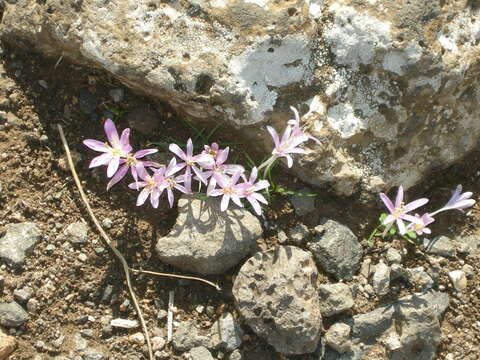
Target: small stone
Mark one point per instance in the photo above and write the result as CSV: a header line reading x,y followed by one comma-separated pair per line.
x,y
282,237
43,84
367,268
158,343
82,257
200,353
336,249
58,341
77,233
12,315
369,289
440,245
124,305
99,250
186,337
235,355
107,223
93,355
393,256
459,280
468,270
124,323
50,248
299,234
303,205
33,305
137,338
79,342
338,337
107,294
392,341
87,333
381,279
43,139
335,298
22,295
116,94
226,333
418,277
162,314
18,242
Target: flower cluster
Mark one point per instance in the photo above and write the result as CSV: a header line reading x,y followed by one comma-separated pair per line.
x,y
399,211
209,168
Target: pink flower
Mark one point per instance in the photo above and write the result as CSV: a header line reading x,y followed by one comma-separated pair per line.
x,y
217,164
421,227
249,191
189,162
114,150
458,201
133,163
230,190
293,136
399,211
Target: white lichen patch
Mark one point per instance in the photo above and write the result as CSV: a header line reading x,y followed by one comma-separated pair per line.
x,y
315,8
355,37
341,117
461,32
267,65
395,61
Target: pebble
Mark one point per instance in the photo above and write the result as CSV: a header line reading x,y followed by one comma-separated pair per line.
x,y
12,315
338,337
18,242
22,295
43,139
468,270
282,237
303,205
43,84
107,223
107,294
299,234
124,323
33,305
116,94
77,233
162,314
200,353
79,342
50,248
137,338
158,343
459,280
226,333
381,279
393,256
235,355
335,298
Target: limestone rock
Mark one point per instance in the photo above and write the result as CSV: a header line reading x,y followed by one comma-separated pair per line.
x,y
381,279
439,245
387,89
275,292
186,337
459,279
226,333
338,337
77,233
18,242
468,245
206,240
200,353
336,249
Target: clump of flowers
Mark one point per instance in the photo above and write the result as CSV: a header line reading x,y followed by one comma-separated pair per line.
x,y
210,167
399,213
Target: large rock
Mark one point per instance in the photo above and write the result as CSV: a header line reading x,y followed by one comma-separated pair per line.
x,y
206,240
336,249
276,293
18,242
389,87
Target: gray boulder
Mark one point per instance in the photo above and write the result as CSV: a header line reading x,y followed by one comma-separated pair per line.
x,y
18,242
388,100
206,240
336,249
275,292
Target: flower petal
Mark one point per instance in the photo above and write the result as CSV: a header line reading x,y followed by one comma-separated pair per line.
x,y
170,197
124,142
415,204
274,135
189,148
399,198
96,145
177,151
100,160
222,155
142,197
236,200
118,176
113,166
111,132
387,202
289,161
225,201
256,206
141,153
401,226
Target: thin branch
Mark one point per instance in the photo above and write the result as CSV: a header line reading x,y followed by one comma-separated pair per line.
x,y
136,271
171,295
107,241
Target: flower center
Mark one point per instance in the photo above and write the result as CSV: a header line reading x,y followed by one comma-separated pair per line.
x,y
398,212
131,160
116,152
213,153
151,182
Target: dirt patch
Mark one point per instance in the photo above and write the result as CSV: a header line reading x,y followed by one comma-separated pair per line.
x,y
70,283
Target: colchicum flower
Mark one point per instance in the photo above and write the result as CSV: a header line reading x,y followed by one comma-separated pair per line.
x,y
229,189
249,191
216,165
293,136
189,162
116,149
400,210
421,227
458,201
150,187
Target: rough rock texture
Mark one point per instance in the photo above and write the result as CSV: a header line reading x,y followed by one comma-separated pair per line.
x,y
7,344
18,241
276,293
335,298
388,86
439,245
338,337
381,279
336,249
226,333
186,337
406,329
12,315
206,240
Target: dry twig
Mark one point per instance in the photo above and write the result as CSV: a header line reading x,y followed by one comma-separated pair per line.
x,y
106,239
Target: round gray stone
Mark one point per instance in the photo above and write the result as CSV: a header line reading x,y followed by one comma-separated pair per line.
x,y
206,240
18,242
12,314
